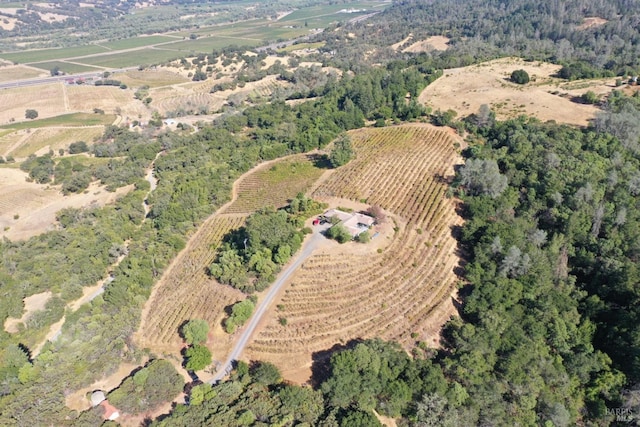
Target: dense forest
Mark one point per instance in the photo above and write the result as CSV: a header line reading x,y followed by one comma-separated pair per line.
x,y
480,30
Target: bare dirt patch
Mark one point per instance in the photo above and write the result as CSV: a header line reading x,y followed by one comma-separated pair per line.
x,y
432,43
32,304
28,209
401,43
52,17
592,21
8,24
465,89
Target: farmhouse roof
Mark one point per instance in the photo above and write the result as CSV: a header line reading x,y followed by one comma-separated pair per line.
x,y
355,223
342,216
97,397
358,223
110,411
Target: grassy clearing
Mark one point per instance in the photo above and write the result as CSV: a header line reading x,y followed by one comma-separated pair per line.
x,y
51,54
75,119
136,42
65,66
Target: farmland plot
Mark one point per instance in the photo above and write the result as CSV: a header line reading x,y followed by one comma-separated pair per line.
x,y
107,98
186,291
275,184
406,288
42,140
47,100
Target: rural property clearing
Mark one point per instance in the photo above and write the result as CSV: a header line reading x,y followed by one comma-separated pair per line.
x,y
399,287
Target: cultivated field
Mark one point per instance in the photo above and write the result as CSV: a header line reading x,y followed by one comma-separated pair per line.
x,y
151,78
42,140
403,282
187,292
275,184
545,97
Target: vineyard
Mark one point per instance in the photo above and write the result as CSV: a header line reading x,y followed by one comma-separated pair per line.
x,y
402,292
186,291
275,184
194,96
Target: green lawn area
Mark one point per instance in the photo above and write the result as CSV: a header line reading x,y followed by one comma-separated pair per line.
x,y
208,44
30,56
75,119
66,67
133,58
136,42
226,29
333,9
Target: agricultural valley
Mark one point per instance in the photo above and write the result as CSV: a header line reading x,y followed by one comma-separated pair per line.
x,y
311,213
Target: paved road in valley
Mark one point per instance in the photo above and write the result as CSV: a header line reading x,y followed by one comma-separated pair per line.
x,y
248,330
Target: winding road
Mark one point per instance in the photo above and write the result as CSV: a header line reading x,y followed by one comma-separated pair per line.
x,y
307,249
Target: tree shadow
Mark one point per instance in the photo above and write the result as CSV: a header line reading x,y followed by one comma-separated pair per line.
x,y
321,361
321,161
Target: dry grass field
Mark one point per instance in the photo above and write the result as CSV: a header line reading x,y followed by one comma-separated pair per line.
x,y
545,97
32,304
151,78
400,284
40,141
48,100
19,72
28,209
107,98
432,43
